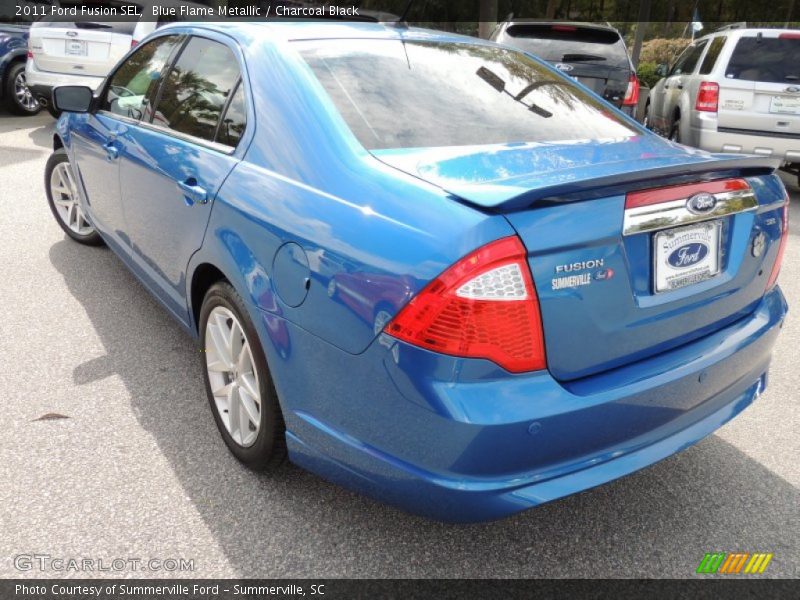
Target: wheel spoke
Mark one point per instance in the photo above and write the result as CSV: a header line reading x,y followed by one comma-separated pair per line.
x,y
219,345
248,383
234,410
222,391
249,406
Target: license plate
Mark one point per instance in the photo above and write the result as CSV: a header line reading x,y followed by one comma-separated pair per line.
x,y
76,48
686,255
786,105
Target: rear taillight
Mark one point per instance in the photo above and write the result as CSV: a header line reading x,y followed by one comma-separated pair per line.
x,y
484,306
30,54
707,97
776,268
789,36
632,92
682,191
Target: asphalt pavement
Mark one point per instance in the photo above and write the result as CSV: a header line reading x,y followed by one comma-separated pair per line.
x,y
108,449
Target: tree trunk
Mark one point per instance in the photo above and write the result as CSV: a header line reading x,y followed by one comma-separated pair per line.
x,y
644,21
487,17
552,5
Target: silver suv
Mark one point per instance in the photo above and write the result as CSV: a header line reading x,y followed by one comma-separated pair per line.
x,y
736,90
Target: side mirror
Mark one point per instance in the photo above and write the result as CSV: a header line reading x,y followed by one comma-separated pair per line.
x,y
662,70
73,98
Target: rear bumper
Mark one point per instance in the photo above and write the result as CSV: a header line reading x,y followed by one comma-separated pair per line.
x,y
785,147
460,440
41,83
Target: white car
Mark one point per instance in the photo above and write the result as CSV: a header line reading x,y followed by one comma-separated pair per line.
x,y
62,52
736,90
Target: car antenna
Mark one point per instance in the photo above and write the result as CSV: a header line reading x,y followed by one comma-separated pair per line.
x,y
401,20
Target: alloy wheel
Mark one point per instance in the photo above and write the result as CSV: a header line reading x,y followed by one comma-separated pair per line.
x,y
23,94
65,197
232,376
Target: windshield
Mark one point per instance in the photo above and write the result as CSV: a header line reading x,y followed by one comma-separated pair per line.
x,y
773,60
569,43
396,94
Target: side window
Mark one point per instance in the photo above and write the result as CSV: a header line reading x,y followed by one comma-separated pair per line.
x,y
137,78
233,123
197,88
688,60
711,56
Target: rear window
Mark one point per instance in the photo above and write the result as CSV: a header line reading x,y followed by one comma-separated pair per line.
x,y
125,27
414,94
772,60
569,43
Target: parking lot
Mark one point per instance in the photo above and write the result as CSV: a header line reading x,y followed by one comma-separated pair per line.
x,y
109,449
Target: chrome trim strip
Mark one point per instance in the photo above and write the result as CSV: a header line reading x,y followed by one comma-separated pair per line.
x,y
675,213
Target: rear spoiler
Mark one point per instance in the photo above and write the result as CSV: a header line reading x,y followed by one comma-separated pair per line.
x,y
522,192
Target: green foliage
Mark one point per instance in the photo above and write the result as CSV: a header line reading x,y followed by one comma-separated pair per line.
x,y
646,72
661,50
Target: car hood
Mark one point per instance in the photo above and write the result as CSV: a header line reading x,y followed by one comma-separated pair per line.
x,y
512,176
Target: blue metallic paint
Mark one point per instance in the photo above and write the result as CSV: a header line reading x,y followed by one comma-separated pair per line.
x,y
454,439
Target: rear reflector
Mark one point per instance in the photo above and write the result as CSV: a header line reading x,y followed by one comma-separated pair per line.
x,y
707,97
30,54
632,92
134,43
484,306
789,36
776,268
680,192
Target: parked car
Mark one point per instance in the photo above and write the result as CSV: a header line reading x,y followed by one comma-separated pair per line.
x,y
14,92
593,54
736,90
568,297
63,52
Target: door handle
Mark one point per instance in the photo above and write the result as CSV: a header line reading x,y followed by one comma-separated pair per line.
x,y
112,152
192,192
680,86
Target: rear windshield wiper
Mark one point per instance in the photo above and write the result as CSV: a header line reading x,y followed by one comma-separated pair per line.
x,y
581,57
87,25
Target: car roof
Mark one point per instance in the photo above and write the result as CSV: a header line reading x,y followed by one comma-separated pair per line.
x,y
746,31
280,30
581,24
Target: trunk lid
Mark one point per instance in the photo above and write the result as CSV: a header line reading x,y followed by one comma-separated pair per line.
x,y
85,48
592,261
610,83
761,89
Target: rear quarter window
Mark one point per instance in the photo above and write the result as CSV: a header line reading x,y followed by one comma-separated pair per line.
x,y
771,60
557,42
417,94
712,55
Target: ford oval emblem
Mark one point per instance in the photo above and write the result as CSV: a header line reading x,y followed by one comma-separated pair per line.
x,y
687,255
564,67
701,203
72,33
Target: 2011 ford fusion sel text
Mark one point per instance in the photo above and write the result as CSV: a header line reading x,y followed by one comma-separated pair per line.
x,y
427,267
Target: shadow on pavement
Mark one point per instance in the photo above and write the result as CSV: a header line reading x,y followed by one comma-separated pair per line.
x,y
656,523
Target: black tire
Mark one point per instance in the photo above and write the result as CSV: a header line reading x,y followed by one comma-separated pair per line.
x,y
269,449
646,119
675,130
56,158
12,103
51,109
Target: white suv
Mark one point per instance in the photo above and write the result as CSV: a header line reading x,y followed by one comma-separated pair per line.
x,y
736,90
83,53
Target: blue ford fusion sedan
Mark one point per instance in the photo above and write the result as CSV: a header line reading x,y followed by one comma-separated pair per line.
x,y
429,268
